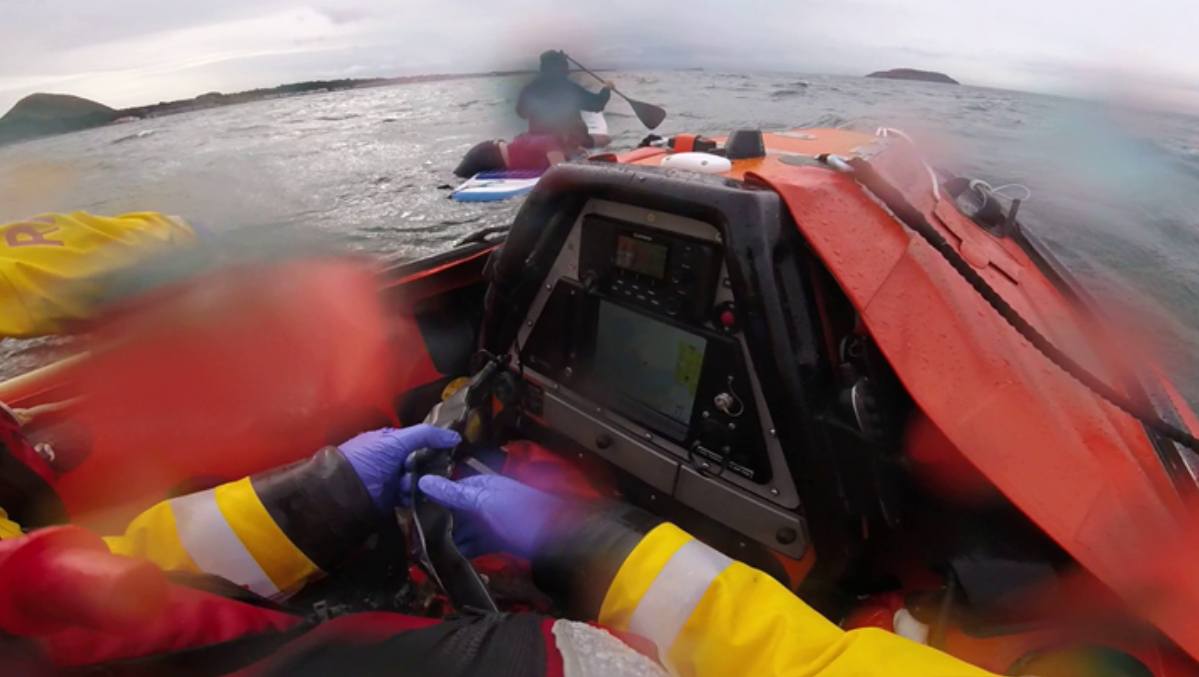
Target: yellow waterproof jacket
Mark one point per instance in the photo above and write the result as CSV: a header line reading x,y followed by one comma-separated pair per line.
x,y
270,533
709,615
51,265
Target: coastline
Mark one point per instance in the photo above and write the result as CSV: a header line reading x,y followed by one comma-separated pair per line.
x,y
10,123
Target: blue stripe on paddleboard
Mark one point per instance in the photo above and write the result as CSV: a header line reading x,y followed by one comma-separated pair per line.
x,y
488,195
509,174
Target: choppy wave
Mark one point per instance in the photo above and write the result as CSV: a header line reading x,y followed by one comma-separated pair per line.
x,y
137,135
828,120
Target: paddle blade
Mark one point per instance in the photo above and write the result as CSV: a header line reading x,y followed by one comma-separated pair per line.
x,y
650,115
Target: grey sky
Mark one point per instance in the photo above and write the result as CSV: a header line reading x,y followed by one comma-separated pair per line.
x,y
128,52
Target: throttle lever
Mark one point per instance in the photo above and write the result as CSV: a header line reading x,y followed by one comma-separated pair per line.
x,y
434,524
435,548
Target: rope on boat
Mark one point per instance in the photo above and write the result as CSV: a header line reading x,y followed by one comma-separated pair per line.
x,y
909,215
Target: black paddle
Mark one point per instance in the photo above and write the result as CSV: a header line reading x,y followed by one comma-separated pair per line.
x,y
650,115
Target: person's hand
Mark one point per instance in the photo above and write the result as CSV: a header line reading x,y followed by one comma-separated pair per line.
x,y
518,516
378,456
608,84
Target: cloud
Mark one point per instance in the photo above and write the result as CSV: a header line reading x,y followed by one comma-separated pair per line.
x,y
345,15
125,52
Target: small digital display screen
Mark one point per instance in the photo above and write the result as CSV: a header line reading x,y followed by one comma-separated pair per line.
x,y
639,256
649,362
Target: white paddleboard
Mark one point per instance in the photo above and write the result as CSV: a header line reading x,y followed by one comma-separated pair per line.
x,y
496,186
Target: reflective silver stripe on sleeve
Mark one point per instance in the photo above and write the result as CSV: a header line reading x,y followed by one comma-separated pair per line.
x,y
213,546
672,596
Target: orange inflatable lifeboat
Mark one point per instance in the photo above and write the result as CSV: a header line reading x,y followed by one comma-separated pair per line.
x,y
801,348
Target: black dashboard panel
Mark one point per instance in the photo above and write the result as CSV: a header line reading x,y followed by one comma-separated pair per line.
x,y
635,337
665,273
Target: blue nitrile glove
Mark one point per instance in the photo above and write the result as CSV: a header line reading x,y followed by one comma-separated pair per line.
x,y
378,456
516,515
492,458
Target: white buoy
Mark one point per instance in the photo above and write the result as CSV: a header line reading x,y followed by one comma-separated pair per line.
x,y
704,163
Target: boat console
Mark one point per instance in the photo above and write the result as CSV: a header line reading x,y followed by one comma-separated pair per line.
x,y
629,317
671,325
632,347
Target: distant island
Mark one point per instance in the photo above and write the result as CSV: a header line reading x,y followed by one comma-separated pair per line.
x,y
914,74
47,114
43,114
